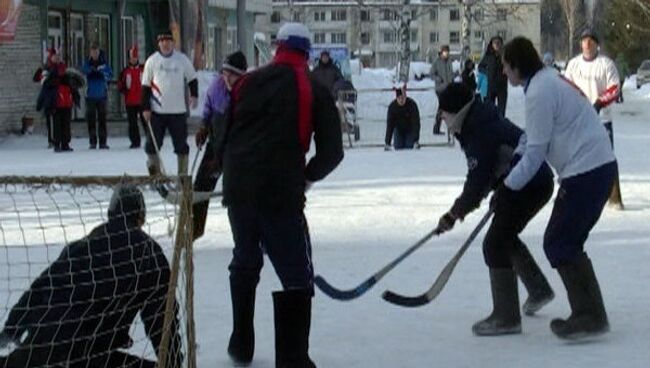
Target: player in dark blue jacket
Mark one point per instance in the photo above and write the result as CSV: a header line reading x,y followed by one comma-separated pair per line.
x,y
489,142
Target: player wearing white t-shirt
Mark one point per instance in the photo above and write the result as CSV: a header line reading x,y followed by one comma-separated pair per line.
x,y
598,79
164,79
563,129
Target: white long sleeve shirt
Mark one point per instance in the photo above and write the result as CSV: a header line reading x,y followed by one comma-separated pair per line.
x,y
168,77
562,128
597,79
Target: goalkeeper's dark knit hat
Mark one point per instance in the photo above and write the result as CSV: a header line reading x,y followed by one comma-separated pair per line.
x,y
127,202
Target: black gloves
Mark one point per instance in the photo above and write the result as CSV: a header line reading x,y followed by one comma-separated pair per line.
x,y
598,105
446,222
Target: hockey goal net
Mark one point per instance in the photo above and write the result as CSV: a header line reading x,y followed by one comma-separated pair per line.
x,y
95,272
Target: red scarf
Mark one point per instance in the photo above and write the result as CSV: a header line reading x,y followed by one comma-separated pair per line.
x,y
298,62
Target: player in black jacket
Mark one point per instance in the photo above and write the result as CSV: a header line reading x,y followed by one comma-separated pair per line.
x,y
79,311
274,113
489,141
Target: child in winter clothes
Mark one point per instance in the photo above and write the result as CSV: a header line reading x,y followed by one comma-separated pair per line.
x,y
130,85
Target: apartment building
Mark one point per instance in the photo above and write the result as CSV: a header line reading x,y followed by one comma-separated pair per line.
x,y
370,31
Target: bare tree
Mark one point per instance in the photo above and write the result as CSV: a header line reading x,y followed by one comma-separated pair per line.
x,y
571,10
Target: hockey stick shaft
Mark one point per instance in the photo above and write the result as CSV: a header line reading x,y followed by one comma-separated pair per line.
x,y
444,276
356,292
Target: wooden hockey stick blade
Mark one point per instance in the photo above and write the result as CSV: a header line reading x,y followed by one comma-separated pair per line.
x,y
362,288
442,279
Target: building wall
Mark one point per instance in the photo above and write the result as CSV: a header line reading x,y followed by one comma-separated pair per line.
x,y
522,19
19,60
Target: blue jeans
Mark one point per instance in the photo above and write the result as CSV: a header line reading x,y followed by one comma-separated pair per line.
x,y
578,206
403,141
283,236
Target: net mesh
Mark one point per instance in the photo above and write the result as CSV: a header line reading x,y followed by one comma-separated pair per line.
x,y
85,283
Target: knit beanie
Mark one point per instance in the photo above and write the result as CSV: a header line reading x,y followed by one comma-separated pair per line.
x,y
236,63
454,97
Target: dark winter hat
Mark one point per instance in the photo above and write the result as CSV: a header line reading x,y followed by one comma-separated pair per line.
x,y
165,35
325,52
444,48
236,63
127,202
399,92
454,97
295,36
588,32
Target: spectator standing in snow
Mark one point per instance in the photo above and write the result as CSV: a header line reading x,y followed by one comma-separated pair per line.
x,y
563,128
596,76
468,77
326,72
98,73
497,82
402,122
442,74
130,84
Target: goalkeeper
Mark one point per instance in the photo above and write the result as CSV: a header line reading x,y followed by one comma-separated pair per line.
x,y
79,311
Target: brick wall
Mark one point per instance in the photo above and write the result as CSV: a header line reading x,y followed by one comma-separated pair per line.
x,y
19,59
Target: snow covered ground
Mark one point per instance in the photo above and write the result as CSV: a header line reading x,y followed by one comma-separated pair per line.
x,y
369,210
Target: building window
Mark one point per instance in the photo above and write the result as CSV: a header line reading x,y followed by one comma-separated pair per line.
x,y
296,17
502,14
414,35
339,15
99,30
502,33
276,17
433,15
478,15
231,40
128,38
340,38
319,16
274,36
365,38
478,35
389,15
454,37
414,14
433,37
319,38
454,15
389,37
365,15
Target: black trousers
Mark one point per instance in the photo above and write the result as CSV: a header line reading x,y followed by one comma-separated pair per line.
x,y
61,127
132,114
206,180
49,123
511,217
177,126
96,112
500,98
283,236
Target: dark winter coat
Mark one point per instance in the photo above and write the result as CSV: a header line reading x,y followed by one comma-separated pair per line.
x,y
98,74
327,75
442,73
469,79
88,298
263,157
488,141
497,81
405,119
60,88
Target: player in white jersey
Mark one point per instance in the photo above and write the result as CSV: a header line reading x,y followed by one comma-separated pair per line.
x,y
596,76
164,79
563,129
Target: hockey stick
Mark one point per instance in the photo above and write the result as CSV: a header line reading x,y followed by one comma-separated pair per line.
x,y
356,292
441,281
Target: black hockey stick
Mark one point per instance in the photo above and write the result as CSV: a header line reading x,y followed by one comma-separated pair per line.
x,y
356,292
441,281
